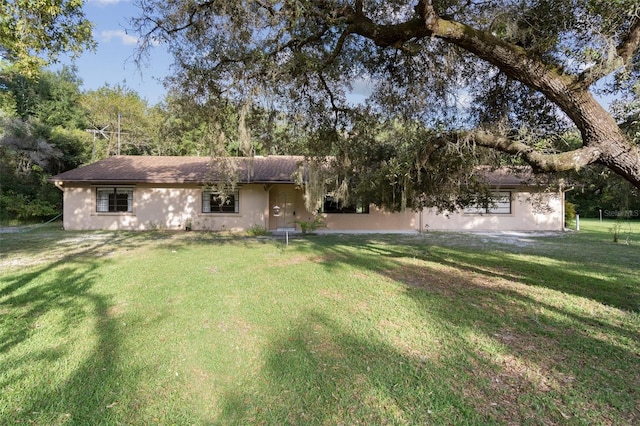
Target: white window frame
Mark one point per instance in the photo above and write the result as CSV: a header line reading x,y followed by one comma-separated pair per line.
x,y
105,204
501,204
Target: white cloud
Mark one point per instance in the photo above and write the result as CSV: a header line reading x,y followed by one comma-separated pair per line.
x,y
125,38
362,86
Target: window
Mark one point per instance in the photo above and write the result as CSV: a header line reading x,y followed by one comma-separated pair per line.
x,y
113,200
216,202
499,204
332,205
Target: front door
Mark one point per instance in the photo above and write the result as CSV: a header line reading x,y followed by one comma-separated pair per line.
x,y
282,208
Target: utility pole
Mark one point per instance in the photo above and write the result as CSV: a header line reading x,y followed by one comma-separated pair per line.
x,y
118,148
95,132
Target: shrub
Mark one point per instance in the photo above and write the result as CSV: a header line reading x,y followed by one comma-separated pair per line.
x,y
569,213
311,225
257,231
21,207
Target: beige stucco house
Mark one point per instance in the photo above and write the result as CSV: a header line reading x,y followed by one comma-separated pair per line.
x,y
145,192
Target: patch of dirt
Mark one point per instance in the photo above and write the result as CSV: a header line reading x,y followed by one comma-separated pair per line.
x,y
290,260
488,238
333,295
444,281
322,342
13,229
359,275
527,366
518,239
43,247
116,310
235,324
430,353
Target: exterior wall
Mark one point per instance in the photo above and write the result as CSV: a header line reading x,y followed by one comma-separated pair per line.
x,y
288,198
170,207
530,211
252,210
376,220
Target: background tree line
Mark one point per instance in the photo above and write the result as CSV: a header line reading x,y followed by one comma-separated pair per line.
x,y
529,69
49,125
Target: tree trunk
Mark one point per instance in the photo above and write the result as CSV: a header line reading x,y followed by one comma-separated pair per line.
x,y
603,141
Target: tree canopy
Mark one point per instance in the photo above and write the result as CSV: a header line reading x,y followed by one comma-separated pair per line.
x,y
516,76
41,133
32,33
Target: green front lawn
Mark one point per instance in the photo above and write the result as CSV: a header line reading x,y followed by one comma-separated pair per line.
x,y
199,328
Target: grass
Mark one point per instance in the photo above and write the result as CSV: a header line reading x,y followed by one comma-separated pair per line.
x,y
198,328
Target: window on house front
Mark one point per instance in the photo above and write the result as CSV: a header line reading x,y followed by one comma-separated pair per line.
x,y
499,204
332,205
114,199
217,202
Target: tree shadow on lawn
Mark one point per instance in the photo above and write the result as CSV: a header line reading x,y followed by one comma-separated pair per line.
x,y
566,271
554,360
48,246
49,313
549,356
320,372
575,277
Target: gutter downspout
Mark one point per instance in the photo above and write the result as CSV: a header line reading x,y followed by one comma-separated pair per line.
x,y
58,184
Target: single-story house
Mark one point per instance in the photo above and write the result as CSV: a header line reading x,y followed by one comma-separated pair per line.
x,y
149,192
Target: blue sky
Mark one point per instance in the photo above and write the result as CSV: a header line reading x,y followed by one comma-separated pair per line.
x,y
113,60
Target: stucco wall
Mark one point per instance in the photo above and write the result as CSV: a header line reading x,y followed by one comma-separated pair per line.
x,y
169,207
252,210
375,220
529,212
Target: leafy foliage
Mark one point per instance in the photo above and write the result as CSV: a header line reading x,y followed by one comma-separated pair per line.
x,y
310,225
257,231
22,207
42,134
33,33
597,190
121,121
511,75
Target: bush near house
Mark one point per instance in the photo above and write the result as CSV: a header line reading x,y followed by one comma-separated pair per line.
x,y
310,225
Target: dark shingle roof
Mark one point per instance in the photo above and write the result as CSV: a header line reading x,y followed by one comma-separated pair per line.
x,y
507,176
158,169
204,170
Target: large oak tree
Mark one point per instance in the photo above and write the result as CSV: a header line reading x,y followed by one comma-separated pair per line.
x,y
511,75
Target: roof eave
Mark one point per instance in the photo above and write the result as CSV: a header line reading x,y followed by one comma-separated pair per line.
x,y
156,181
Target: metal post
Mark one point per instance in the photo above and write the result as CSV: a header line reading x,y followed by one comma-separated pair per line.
x,y
118,150
93,151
